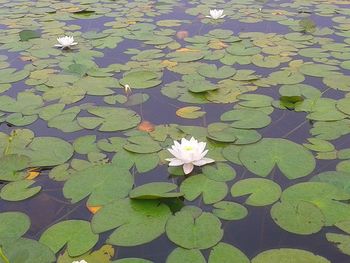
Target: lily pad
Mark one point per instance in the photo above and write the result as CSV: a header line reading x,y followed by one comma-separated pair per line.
x,y
76,234
262,191
155,190
137,221
110,119
212,191
292,159
288,255
102,183
194,231
13,225
141,79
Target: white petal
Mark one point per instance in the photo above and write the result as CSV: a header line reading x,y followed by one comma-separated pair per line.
x,y
175,162
175,153
203,161
187,167
201,146
203,154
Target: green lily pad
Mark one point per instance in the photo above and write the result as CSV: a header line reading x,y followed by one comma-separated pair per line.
x,y
76,234
288,255
28,251
212,191
13,225
292,159
185,255
192,231
141,79
326,197
110,119
246,118
26,35
155,190
141,144
102,183
19,190
226,253
137,221
212,71
220,172
11,167
229,210
262,191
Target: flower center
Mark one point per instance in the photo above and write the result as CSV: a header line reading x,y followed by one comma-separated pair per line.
x,y
188,148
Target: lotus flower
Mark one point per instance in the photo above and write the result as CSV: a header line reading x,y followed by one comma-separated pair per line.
x,y
81,261
216,14
65,42
189,153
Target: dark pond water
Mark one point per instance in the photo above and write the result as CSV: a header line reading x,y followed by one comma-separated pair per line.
x,y
297,54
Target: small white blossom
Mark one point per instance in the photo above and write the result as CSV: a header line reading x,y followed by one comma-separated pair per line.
x,y
65,42
189,153
81,261
216,14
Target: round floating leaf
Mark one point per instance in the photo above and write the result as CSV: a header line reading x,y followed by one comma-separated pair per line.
x,y
103,255
254,100
336,178
142,144
292,159
186,55
40,154
301,218
110,119
262,191
288,255
185,255
141,79
13,225
223,132
344,105
246,118
318,70
194,231
102,183
76,234
225,253
154,191
137,221
341,241
20,190
85,144
212,71
326,197
191,112
11,165
28,251
212,191
319,145
220,172
26,35
229,210
10,75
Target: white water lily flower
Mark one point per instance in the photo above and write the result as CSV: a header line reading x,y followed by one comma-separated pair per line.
x,y
216,14
81,261
189,153
65,42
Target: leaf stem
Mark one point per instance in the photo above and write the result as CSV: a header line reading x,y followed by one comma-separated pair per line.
x,y
3,257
